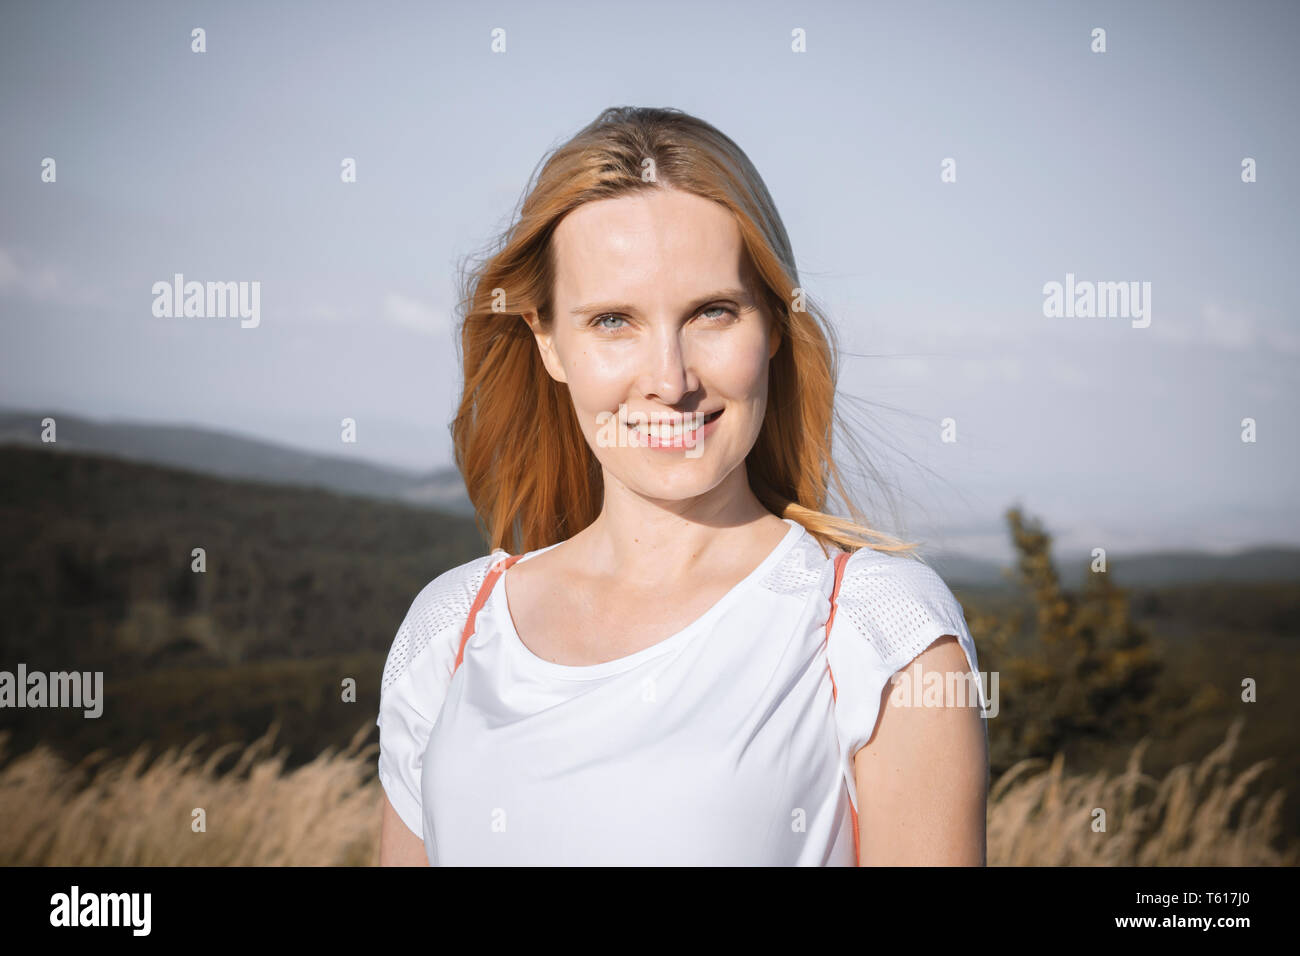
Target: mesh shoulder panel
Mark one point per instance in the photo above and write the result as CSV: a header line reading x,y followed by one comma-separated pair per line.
x,y
801,570
437,615
899,604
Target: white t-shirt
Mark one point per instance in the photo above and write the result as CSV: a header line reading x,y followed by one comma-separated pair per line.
x,y
720,745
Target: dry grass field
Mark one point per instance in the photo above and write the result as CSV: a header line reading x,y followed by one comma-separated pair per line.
x,y
132,812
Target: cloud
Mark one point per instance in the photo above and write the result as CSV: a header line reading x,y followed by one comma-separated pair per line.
x,y
414,315
28,282
46,284
8,270
1230,330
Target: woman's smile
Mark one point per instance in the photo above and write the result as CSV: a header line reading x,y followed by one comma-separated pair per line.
x,y
672,431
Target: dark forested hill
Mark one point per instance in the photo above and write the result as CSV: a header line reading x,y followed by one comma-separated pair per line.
x,y
96,556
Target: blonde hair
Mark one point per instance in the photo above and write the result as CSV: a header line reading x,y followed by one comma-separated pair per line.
x,y
529,493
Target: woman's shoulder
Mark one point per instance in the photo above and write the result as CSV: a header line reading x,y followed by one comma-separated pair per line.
x,y
452,589
866,561
438,612
810,562
895,600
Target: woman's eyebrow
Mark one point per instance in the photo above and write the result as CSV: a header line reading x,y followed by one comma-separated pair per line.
x,y
739,295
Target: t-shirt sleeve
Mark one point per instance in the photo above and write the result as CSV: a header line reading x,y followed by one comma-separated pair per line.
x,y
890,609
417,675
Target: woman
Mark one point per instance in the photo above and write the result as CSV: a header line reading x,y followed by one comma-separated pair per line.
x,y
647,415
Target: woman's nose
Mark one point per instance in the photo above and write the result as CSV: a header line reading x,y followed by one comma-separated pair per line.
x,y
668,375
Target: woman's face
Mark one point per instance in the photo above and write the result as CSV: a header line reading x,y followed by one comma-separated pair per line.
x,y
654,318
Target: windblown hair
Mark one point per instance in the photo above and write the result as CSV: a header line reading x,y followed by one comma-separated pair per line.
x,y
528,491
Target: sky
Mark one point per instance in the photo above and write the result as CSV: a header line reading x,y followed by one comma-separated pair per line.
x,y
1115,166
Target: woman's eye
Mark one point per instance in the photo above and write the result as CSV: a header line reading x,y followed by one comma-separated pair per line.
x,y
600,320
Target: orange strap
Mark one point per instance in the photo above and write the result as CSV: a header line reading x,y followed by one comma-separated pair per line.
x,y
841,560
480,599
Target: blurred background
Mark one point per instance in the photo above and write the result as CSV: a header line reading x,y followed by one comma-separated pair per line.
x,y
937,166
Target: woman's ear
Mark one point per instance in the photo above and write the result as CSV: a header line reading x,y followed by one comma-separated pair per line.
x,y
546,346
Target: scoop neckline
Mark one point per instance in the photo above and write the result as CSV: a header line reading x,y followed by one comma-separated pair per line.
x,y
501,613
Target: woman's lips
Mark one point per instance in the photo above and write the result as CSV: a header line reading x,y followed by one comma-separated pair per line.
x,y
686,438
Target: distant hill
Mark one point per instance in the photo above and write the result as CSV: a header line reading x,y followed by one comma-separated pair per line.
x,y
1253,565
225,455
1146,569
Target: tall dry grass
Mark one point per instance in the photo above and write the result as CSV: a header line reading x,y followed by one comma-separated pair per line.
x,y
1198,815
326,813
122,813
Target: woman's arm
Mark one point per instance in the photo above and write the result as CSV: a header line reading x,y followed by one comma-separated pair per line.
x,y
398,846
923,777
